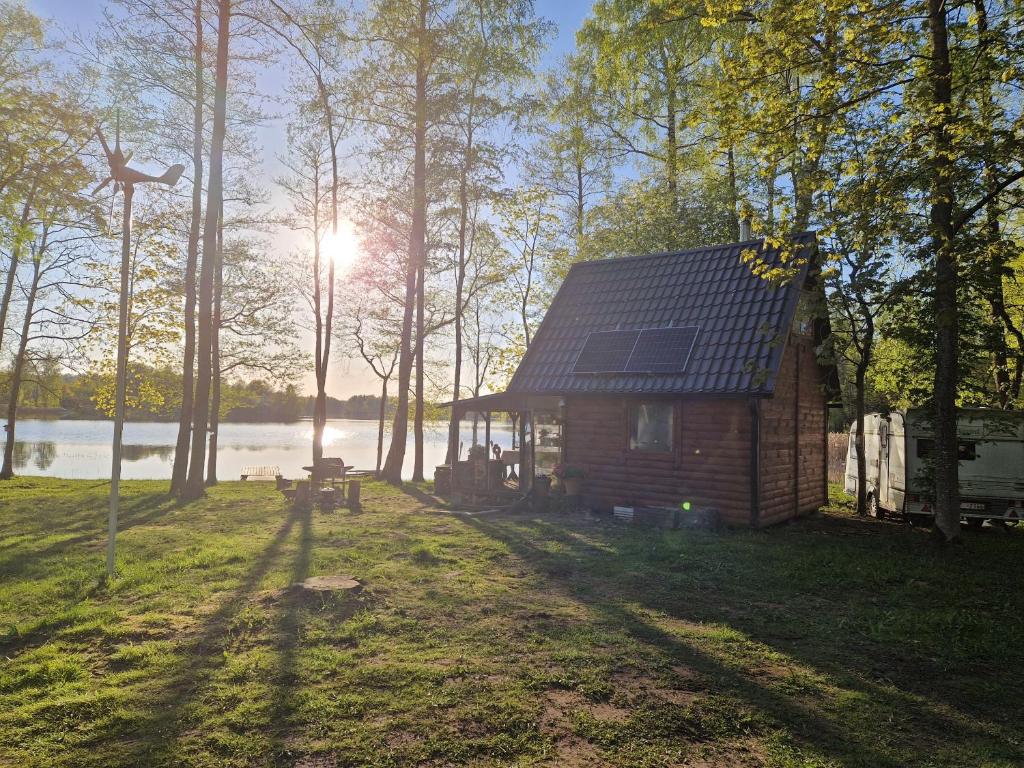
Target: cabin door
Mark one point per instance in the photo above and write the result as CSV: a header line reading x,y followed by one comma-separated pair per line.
x,y
884,499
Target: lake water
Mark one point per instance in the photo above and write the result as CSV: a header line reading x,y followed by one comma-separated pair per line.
x,y
81,449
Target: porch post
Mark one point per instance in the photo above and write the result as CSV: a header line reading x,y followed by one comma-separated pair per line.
x,y
522,452
454,454
487,455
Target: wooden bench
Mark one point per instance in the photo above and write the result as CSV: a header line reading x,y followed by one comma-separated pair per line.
x,y
268,472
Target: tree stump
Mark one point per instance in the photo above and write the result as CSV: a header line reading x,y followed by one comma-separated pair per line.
x,y
329,584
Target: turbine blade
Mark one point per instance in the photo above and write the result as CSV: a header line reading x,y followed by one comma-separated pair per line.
x,y
172,174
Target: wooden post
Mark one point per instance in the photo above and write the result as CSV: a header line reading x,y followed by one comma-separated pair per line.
x,y
533,451
487,457
524,485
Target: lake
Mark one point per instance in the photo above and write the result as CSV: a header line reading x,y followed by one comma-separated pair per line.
x,y
81,449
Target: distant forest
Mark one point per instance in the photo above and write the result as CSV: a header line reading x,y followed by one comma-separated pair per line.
x,y
154,395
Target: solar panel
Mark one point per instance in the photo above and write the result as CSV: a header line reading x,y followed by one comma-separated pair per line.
x,y
662,350
606,352
652,350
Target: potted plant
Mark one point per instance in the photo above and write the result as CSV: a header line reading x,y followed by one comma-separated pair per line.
x,y
478,453
570,477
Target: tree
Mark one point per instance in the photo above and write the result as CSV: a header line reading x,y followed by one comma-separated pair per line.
x,y
400,89
54,220
316,36
646,70
214,201
525,222
571,158
379,350
867,57
497,46
862,219
152,309
58,252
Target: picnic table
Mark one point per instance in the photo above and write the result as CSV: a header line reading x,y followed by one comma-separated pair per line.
x,y
329,471
322,487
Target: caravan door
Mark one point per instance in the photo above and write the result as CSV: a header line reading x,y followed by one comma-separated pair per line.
x,y
882,485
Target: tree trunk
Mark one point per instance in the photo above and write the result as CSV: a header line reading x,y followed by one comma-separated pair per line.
x,y
671,140
380,421
460,282
214,198
946,468
581,213
417,464
7,470
179,470
524,316
218,286
325,326
734,214
15,258
996,265
396,452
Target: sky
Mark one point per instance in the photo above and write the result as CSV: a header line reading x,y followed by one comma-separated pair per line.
x,y
346,376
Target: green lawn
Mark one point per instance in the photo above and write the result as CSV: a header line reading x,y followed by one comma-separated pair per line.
x,y
513,640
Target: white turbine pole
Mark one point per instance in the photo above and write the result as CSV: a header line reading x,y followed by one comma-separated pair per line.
x,y
122,375
124,178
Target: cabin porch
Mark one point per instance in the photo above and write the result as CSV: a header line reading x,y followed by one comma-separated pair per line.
x,y
528,432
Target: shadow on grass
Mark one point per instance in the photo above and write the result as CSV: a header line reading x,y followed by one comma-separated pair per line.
x,y
203,654
597,576
137,509
427,501
283,707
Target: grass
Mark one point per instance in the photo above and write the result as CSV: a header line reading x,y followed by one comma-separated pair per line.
x,y
495,640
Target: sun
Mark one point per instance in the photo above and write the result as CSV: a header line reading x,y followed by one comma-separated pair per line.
x,y
342,247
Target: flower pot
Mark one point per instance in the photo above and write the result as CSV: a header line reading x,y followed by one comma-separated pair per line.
x,y
572,485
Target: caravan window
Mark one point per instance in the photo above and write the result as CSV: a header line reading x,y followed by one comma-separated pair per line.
x,y
966,450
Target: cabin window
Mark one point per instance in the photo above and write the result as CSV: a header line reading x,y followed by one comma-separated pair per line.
x,y
650,427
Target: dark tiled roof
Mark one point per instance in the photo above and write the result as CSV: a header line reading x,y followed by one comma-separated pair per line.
x,y
742,320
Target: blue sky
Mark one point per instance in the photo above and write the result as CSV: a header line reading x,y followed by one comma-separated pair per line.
x,y
72,14
347,377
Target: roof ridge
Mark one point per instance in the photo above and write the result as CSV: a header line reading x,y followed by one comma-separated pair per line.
x,y
701,249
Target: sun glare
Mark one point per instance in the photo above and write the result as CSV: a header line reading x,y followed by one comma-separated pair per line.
x,y
342,247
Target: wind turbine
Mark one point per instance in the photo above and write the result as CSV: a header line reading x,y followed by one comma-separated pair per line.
x,y
124,178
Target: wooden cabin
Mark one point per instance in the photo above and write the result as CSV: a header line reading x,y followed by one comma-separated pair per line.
x,y
679,377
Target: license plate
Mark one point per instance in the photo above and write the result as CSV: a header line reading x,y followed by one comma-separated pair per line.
x,y
972,505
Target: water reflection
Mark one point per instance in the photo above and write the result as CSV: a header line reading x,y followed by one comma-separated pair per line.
x,y
140,452
81,449
41,454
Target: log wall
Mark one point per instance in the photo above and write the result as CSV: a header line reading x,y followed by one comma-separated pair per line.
x,y
710,463
794,437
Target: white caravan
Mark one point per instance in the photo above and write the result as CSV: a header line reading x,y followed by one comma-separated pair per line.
x,y
897,447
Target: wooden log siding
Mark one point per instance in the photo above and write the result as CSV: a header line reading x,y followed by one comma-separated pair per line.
x,y
710,462
709,465
793,429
